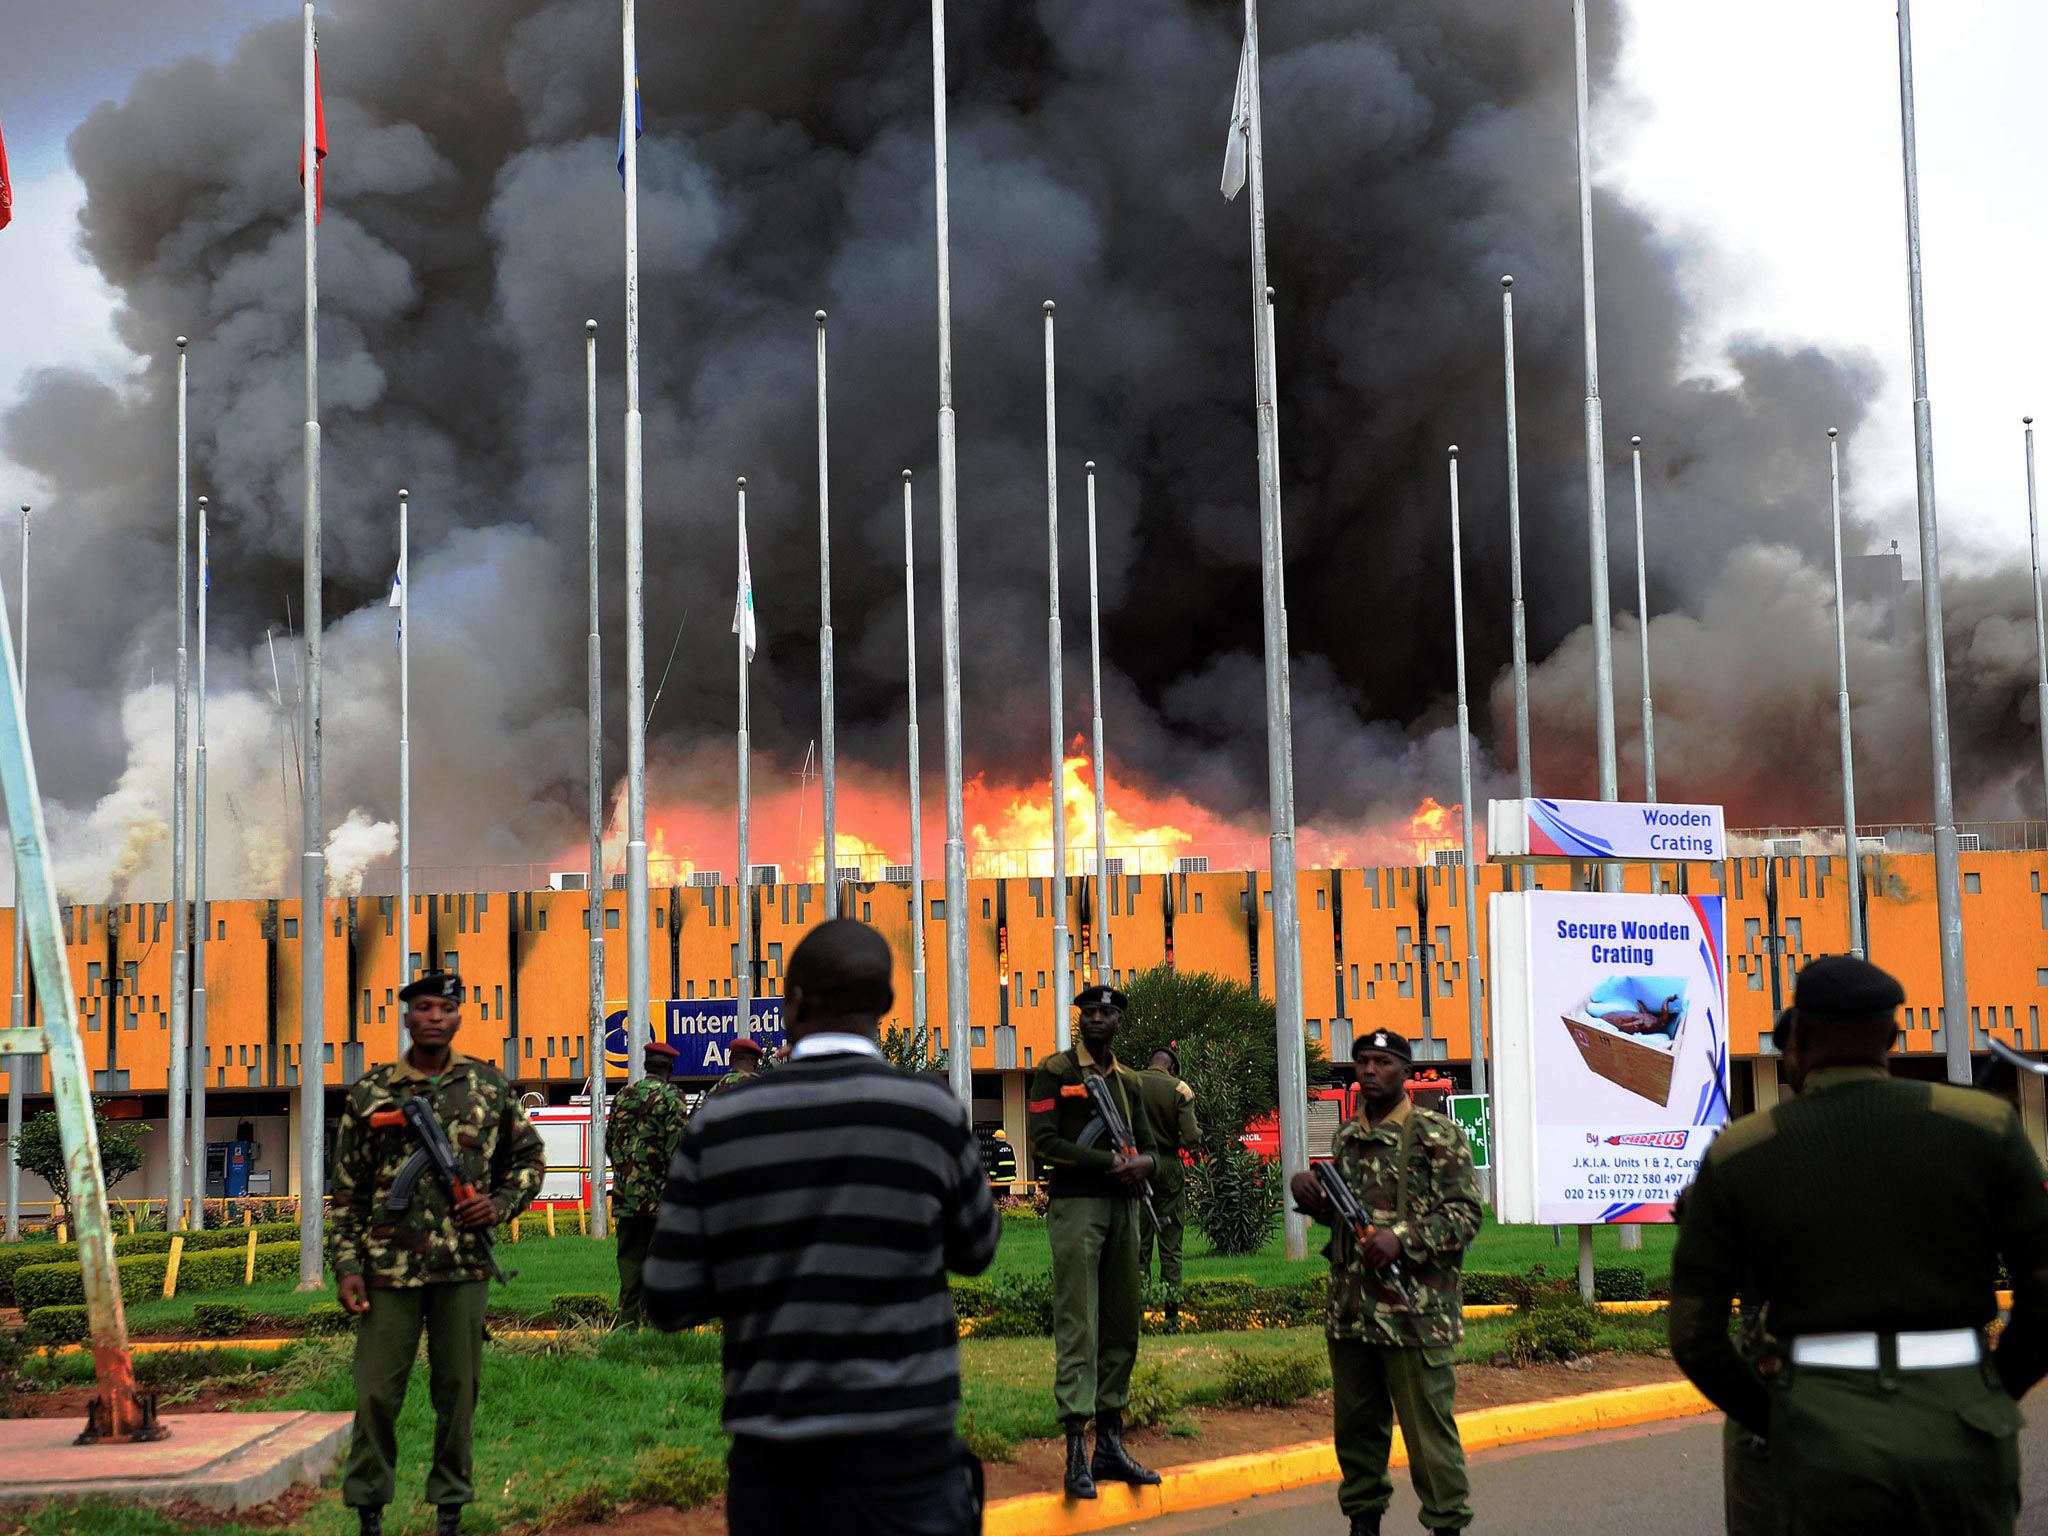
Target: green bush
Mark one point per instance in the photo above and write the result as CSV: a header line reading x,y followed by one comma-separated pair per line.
x,y
1620,1282
218,1269
680,1476
1486,1288
16,1256
219,1319
1153,1401
1272,1379
1016,1306
1556,1328
329,1317
1223,1304
582,1307
1235,1199
971,1296
57,1325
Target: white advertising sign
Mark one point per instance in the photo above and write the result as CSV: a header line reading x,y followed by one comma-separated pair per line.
x,y
1603,829
1610,1037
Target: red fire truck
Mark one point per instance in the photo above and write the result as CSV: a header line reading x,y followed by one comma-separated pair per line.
x,y
1330,1107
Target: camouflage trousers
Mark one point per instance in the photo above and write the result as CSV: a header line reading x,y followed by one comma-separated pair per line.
x,y
1373,1383
635,1233
1872,1453
387,1344
1095,1302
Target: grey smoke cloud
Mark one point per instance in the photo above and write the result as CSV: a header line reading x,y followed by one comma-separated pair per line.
x,y
1416,150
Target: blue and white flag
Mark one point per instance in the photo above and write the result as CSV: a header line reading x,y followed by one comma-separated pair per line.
x,y
639,127
743,609
1240,129
398,595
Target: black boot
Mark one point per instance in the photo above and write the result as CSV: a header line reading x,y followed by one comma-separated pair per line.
x,y
1080,1485
449,1520
1366,1525
1111,1460
372,1518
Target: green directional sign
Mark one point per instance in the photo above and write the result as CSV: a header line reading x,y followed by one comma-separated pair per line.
x,y
1472,1112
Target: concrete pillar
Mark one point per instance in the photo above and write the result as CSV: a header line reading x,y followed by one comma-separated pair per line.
x,y
1016,1125
2034,1108
1764,1078
294,1109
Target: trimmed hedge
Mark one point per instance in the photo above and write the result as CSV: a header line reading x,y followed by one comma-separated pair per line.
x,y
57,1325
16,1256
329,1317
219,1319
570,1307
216,1269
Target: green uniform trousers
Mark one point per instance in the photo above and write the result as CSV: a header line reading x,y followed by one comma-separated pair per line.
x,y
1095,1311
1747,1503
1872,1453
1375,1382
634,1233
387,1343
1170,1199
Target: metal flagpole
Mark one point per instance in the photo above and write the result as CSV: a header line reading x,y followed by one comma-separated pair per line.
x,y
638,1020
2040,628
959,1033
403,927
1524,785
313,868
594,896
201,921
1855,856
1643,628
1279,745
1062,957
918,907
1102,938
1948,893
1472,1003
746,897
18,1007
181,1018
829,756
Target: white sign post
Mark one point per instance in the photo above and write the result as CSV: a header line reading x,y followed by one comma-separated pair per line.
x,y
1610,1030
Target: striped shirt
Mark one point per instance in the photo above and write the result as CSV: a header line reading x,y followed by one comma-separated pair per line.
x,y
815,1210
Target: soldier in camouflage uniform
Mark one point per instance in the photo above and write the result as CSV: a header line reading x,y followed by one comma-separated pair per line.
x,y
424,1267
745,1059
1412,1170
640,1136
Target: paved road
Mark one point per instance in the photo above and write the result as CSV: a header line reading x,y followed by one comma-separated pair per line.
x,y
1664,1478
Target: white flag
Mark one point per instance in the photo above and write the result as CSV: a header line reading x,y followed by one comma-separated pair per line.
x,y
397,585
1240,130
743,610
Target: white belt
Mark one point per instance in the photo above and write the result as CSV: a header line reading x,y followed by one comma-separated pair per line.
x,y
1943,1350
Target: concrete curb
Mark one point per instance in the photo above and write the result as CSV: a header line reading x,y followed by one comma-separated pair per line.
x,y
1205,1484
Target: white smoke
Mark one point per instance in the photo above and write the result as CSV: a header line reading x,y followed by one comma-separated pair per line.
x,y
354,845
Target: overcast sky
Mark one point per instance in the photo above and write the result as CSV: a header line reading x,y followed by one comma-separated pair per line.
x,y
1761,135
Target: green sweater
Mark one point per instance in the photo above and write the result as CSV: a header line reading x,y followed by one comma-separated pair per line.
x,y
1867,1204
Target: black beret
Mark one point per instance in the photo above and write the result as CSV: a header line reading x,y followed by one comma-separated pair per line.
x,y
1844,986
445,985
1382,1040
1102,992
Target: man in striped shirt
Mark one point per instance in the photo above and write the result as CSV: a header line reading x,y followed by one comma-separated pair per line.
x,y
815,1211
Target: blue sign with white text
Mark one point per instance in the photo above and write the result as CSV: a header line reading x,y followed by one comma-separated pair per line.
x,y
702,1031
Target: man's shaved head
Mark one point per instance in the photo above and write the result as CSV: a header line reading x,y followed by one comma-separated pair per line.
x,y
843,969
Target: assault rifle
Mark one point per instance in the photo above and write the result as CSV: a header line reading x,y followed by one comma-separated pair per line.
x,y
417,1117
1344,1205
1103,1102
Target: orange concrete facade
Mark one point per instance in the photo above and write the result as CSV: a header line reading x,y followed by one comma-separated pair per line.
x,y
1380,947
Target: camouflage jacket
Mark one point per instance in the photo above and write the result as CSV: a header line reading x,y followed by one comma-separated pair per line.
x,y
1442,1218
493,1140
730,1080
640,1136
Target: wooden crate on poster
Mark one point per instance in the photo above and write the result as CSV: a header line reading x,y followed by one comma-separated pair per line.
x,y
1627,1061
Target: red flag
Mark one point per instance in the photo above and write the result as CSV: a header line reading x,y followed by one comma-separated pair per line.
x,y
6,188
319,144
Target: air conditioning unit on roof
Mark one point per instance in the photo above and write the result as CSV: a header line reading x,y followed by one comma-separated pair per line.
x,y
1447,858
618,882
896,874
1784,847
767,874
1969,842
846,872
1113,868
1873,845
706,879
1191,864
568,880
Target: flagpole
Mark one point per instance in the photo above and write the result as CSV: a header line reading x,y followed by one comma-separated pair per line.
x,y
2040,627
181,1019
829,758
1849,844
18,1005
959,1034
1635,445
746,882
594,895
1279,747
1474,1017
201,919
1523,782
638,1020
313,868
1103,939
403,926
1062,960
918,908
1948,893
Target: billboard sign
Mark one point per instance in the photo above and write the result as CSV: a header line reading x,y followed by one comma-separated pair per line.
x,y
1539,830
1610,1029
701,1030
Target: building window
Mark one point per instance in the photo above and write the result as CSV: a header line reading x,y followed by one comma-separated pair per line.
x,y
938,911
291,927
611,917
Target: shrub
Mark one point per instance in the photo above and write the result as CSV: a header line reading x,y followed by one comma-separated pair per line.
x,y
1554,1326
17,1256
1235,1199
1153,1400
680,1476
1017,1306
58,1325
1272,1379
582,1307
329,1317
1620,1282
218,1269
219,1319
1486,1288
1221,1304
971,1296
